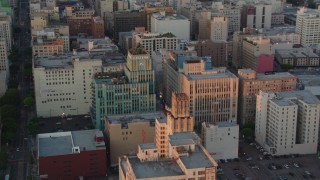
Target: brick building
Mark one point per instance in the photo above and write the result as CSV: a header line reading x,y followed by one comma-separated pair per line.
x,y
71,155
97,27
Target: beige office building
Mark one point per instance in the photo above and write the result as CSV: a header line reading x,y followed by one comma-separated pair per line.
x,y
125,132
173,155
250,83
39,21
48,48
213,94
150,9
287,122
213,27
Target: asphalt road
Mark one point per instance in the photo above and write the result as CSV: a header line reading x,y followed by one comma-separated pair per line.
x,y
20,153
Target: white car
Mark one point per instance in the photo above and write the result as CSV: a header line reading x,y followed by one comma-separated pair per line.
x,y
69,119
286,166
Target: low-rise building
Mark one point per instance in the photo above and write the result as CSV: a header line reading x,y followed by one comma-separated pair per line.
x,y
287,122
298,57
221,139
71,155
126,131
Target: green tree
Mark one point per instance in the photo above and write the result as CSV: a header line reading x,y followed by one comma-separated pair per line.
x,y
247,132
3,159
14,55
28,101
9,123
33,127
28,53
8,136
8,111
13,84
11,97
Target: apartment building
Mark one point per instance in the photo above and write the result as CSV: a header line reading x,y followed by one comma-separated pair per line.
x,y
125,92
175,24
213,26
257,15
287,122
156,41
126,131
257,54
63,83
298,57
251,82
307,25
6,30
221,139
80,21
155,160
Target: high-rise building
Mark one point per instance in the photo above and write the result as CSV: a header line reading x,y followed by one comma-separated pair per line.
x,y
250,83
306,25
213,94
233,13
217,50
175,24
156,41
219,28
80,21
287,122
125,92
257,54
257,15
6,30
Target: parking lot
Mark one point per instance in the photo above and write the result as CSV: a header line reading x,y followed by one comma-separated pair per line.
x,y
253,165
59,124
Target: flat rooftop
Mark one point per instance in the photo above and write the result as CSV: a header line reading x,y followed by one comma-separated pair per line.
x,y
61,143
119,119
283,102
155,169
213,75
167,17
304,95
297,52
148,146
183,136
196,159
274,75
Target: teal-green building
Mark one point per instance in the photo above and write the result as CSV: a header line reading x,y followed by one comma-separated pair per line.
x,y
130,91
5,7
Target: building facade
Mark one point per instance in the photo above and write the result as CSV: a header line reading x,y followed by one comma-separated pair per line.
x,y
125,92
6,30
221,139
256,15
250,83
257,54
287,122
306,25
97,27
298,57
63,84
71,155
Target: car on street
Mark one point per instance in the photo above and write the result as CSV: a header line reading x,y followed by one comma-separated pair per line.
x,y
286,166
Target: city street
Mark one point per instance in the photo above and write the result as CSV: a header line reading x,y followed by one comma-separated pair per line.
x,y
20,153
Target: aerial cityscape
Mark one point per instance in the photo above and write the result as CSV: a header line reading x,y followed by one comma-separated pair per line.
x,y
159,89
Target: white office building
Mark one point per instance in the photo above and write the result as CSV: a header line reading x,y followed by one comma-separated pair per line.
x,y
175,24
4,61
63,84
287,122
6,30
221,139
307,25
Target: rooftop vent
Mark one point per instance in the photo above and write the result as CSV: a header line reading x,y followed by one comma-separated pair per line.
x,y
76,150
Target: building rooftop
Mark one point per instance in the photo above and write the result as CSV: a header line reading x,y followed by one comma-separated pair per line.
x,y
196,159
148,146
304,95
154,169
283,102
138,50
184,136
181,142
261,76
165,17
119,119
62,143
156,35
212,74
297,53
